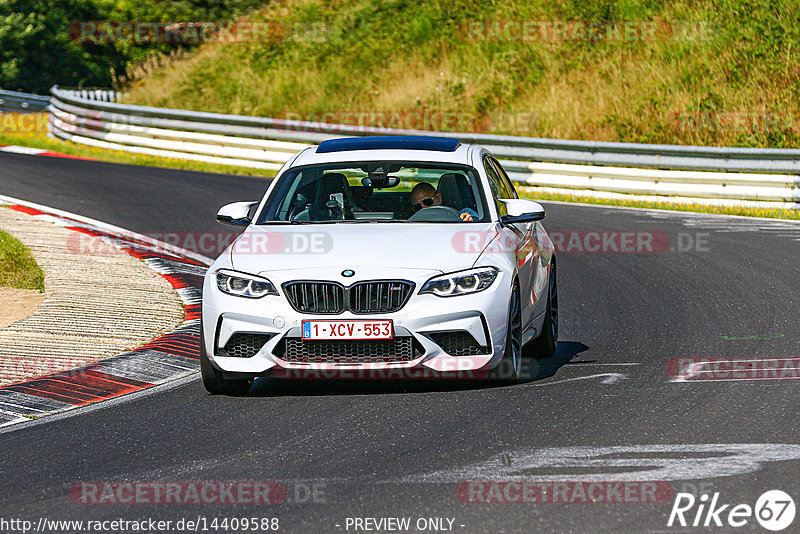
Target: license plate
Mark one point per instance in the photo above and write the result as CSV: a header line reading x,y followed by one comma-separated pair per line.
x,y
380,329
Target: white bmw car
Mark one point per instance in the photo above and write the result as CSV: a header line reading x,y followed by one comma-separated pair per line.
x,y
381,254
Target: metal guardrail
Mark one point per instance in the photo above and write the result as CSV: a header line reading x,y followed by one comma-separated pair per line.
x,y
22,102
267,143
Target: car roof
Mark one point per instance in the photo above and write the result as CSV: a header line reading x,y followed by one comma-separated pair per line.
x,y
383,148
389,142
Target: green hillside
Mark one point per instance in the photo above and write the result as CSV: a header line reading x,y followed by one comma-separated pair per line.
x,y
712,73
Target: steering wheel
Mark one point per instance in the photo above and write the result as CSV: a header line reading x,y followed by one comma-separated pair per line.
x,y
436,214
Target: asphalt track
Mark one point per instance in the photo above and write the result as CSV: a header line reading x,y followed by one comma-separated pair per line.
x,y
399,449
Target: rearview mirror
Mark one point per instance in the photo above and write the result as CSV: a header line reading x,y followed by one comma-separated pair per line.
x,y
380,182
522,211
236,214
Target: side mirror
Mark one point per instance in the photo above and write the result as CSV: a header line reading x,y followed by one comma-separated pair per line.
x,y
236,214
522,211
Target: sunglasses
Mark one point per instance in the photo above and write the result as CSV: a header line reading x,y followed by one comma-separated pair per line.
x,y
425,202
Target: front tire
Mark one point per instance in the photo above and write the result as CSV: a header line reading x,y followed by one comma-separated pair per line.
x,y
544,346
213,380
510,367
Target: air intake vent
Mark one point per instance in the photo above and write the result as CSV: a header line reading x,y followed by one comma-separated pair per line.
x,y
316,297
458,343
244,345
379,297
399,349
376,296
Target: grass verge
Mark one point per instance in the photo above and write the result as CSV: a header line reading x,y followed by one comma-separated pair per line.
x,y
18,269
29,130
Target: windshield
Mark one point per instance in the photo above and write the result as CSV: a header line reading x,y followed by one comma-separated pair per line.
x,y
377,192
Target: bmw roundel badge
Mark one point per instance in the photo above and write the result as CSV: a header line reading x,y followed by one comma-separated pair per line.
x,y
348,273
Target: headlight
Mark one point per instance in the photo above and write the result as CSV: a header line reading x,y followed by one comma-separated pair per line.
x,y
244,285
460,283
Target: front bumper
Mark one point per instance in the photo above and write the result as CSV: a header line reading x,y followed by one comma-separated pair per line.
x,y
483,315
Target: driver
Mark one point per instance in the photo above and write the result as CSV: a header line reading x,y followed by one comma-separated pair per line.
x,y
424,195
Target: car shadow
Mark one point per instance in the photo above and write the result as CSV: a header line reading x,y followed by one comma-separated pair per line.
x,y
533,369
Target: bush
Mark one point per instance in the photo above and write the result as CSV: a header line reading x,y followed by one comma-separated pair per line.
x,y
37,49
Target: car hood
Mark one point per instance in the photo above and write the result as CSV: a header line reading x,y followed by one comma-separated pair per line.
x,y
429,246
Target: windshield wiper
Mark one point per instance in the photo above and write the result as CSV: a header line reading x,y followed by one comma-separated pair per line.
x,y
346,221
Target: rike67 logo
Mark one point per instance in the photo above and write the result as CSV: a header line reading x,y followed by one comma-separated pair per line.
x,y
774,510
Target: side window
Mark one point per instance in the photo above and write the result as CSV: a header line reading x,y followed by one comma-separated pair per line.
x,y
508,187
496,185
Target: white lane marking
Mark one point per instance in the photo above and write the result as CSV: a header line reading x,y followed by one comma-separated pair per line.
x,y
10,419
690,380
110,228
601,364
694,372
725,224
608,378
22,150
619,463
711,372
663,213
80,410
